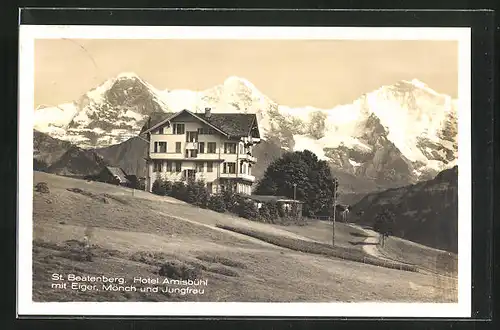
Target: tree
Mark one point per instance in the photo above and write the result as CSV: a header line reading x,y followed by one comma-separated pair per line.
x,y
158,187
315,183
179,190
264,212
216,203
384,223
247,209
168,187
231,200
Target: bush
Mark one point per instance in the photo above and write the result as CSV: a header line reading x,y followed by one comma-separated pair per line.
x,y
247,209
274,212
216,203
42,187
195,191
265,213
231,200
179,191
179,271
158,187
203,197
168,187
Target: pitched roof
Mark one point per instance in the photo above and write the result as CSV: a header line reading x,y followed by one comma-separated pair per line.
x,y
154,119
271,198
117,172
230,124
234,124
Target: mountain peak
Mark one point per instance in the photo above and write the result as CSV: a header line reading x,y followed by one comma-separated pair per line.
x,y
127,75
239,81
418,84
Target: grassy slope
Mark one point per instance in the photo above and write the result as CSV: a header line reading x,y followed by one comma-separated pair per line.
x,y
129,224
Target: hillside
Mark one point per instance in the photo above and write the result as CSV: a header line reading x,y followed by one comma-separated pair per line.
x,y
426,212
61,157
135,233
392,136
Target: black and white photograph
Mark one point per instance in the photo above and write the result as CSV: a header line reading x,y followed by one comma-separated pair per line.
x,y
244,171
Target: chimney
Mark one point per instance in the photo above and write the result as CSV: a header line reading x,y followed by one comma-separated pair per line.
x,y
208,112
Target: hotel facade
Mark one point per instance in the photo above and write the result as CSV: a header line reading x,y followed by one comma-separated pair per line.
x,y
213,147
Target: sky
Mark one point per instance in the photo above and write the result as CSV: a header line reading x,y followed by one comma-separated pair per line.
x,y
320,73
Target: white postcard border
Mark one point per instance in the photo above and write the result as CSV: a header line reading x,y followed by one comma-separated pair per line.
x,y
27,35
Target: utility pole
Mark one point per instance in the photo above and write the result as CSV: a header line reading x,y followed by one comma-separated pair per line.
x,y
335,184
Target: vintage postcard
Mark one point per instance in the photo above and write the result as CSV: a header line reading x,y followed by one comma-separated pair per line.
x,y
244,171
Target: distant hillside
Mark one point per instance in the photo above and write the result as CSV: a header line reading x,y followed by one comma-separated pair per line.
x,y
47,150
63,158
128,155
426,212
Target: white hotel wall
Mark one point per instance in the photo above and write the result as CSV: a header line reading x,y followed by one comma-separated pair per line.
x,y
171,155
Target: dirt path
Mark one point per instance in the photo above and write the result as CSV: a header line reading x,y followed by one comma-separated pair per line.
x,y
371,247
371,243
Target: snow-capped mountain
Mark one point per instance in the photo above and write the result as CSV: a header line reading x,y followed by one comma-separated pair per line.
x,y
399,133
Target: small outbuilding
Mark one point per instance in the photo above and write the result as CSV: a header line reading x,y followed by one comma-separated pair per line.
x,y
113,175
290,207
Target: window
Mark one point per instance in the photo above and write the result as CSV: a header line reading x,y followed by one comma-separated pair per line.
x,y
192,137
210,167
206,131
211,147
192,153
169,166
163,146
160,130
229,168
179,129
200,167
178,166
157,166
201,147
210,187
242,167
178,147
242,148
160,147
229,148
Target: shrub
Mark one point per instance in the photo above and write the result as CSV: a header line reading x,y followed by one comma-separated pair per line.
x,y
203,196
168,187
179,271
264,212
216,203
247,209
42,187
195,191
158,187
273,210
179,191
231,200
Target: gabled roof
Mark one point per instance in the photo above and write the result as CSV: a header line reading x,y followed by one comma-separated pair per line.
x,y
234,124
118,173
271,198
229,124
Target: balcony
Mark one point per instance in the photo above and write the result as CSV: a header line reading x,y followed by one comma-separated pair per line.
x,y
248,157
166,155
191,145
